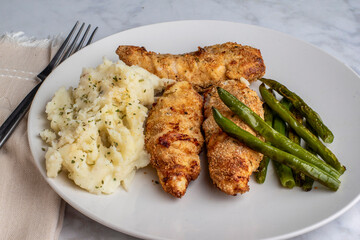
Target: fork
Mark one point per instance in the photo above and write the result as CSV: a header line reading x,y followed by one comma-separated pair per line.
x,y
63,53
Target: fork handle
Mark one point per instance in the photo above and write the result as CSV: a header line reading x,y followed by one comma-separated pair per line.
x,y
13,120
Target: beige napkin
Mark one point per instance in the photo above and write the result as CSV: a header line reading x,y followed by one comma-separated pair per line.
x,y
29,208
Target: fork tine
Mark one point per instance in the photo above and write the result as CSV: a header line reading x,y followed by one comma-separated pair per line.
x,y
79,46
55,61
71,47
91,37
60,56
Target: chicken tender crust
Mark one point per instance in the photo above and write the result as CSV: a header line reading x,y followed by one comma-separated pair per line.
x,y
203,68
173,137
231,162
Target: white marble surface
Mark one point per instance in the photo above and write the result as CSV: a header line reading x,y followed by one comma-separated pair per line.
x,y
332,25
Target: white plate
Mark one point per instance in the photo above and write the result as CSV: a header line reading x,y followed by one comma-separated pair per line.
x,y
267,211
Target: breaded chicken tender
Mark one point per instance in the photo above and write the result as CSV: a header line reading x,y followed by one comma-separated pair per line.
x,y
204,68
173,137
230,162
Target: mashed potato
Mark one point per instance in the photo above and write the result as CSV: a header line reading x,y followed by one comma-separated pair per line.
x,y
96,130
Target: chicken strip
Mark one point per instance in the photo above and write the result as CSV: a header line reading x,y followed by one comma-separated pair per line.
x,y
173,137
206,67
230,162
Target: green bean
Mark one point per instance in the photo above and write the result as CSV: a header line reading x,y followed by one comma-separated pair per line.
x,y
301,179
302,131
308,183
311,129
283,172
311,116
275,138
260,175
298,176
274,153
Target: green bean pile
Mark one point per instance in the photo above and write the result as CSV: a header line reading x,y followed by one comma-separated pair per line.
x,y
282,130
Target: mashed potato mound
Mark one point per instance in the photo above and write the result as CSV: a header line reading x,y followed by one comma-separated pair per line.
x,y
97,129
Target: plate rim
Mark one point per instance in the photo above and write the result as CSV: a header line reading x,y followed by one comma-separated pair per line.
x,y
147,236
